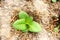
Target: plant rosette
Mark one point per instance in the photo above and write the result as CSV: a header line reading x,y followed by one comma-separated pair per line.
x,y
25,23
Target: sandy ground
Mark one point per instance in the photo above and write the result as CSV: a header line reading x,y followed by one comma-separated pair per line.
x,y
8,8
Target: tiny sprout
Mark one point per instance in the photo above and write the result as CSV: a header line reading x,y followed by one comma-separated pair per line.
x,y
56,29
54,0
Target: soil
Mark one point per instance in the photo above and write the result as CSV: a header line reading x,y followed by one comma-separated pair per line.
x,y
44,12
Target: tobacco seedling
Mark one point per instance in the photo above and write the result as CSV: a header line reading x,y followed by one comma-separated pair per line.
x,y
25,23
54,0
56,29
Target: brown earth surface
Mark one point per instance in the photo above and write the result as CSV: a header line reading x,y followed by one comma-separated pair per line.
x,y
44,12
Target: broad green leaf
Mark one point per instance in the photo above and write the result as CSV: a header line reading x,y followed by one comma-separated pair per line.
x,y
23,15
20,21
56,29
20,27
19,24
29,20
54,0
35,27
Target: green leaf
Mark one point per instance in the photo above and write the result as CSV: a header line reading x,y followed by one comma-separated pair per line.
x,y
56,29
35,27
23,15
29,20
54,0
20,21
20,27
19,24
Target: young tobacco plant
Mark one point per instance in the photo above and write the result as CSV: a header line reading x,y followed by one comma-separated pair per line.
x,y
54,0
56,29
25,23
